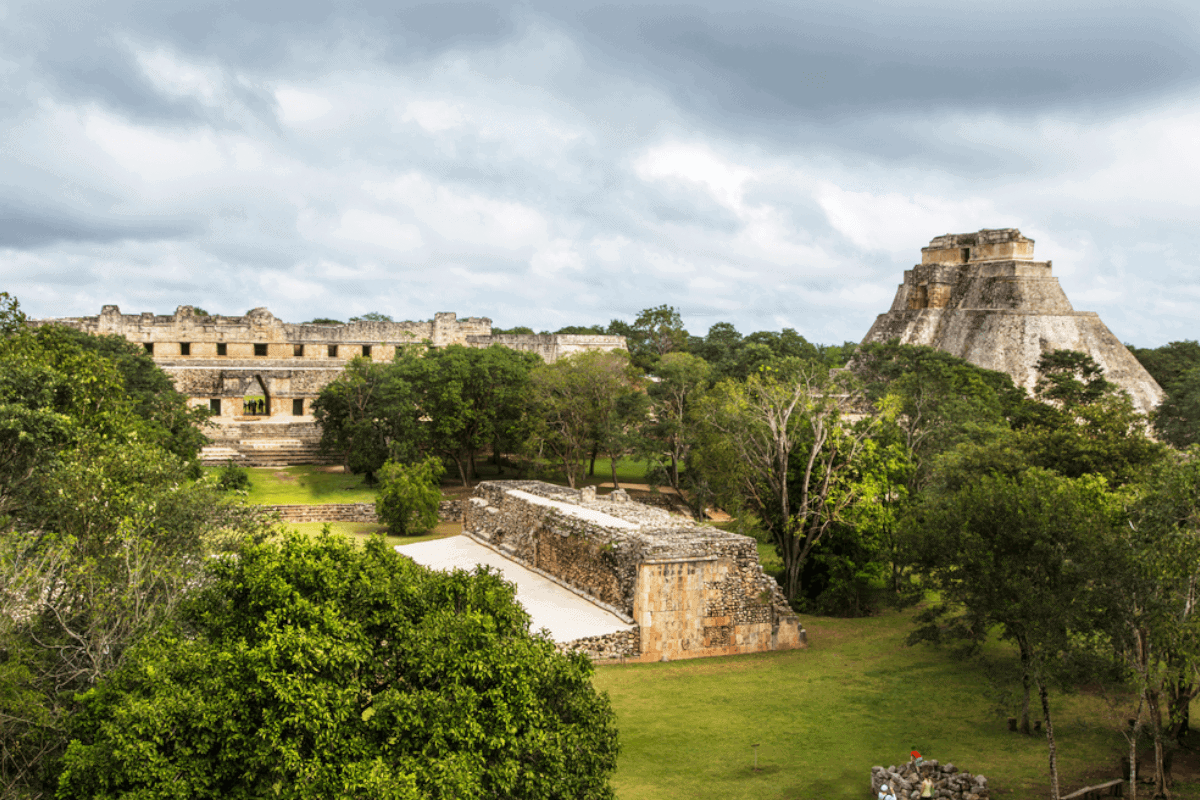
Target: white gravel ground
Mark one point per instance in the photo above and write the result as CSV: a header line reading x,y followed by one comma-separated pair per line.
x,y
565,614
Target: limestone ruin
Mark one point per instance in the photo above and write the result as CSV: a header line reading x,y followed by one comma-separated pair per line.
x,y
687,590
982,297
260,376
948,781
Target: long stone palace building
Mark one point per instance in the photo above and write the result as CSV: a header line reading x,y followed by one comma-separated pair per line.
x,y
260,375
981,297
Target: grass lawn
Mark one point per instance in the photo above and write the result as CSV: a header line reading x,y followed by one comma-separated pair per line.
x,y
316,484
628,471
824,716
361,531
305,485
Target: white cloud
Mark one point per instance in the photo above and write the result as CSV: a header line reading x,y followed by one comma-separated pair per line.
x,y
699,165
434,116
465,217
175,76
380,230
891,221
703,283
153,154
297,106
557,257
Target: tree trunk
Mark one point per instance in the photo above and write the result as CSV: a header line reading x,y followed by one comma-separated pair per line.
x,y
1025,682
569,471
612,462
1179,708
1133,756
462,473
1045,697
792,564
592,468
1160,774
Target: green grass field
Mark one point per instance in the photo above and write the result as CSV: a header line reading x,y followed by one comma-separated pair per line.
x,y
304,485
361,531
310,484
824,716
628,471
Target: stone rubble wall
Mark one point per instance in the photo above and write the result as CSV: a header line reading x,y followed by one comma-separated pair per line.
x,y
692,590
550,347
949,783
448,511
608,647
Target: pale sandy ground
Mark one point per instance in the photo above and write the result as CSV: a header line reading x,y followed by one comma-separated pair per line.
x,y
565,614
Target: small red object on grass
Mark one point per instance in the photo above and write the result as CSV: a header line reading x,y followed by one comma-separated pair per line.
x,y
915,754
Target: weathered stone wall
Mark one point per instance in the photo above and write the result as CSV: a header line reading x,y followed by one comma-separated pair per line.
x,y
948,782
550,347
608,647
982,298
448,511
219,362
692,590
326,512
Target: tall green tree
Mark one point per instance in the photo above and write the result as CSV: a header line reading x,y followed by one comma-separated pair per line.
x,y
732,355
671,429
779,445
468,398
369,414
656,332
938,400
409,495
1083,424
1019,552
1176,367
1177,419
1150,587
101,530
314,669
583,402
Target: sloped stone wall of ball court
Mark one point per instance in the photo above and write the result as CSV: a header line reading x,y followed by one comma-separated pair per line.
x,y
687,590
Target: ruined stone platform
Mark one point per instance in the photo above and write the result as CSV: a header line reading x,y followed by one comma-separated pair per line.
x,y
690,590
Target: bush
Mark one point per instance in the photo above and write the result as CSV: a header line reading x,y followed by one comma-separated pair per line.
x,y
312,669
233,478
408,496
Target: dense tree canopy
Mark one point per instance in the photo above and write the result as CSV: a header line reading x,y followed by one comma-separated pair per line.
x,y
583,402
102,529
314,669
450,401
1021,553
779,445
1176,367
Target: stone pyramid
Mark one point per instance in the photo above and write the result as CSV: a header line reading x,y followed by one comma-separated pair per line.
x,y
982,297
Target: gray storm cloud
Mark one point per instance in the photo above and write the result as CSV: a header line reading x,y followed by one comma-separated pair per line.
x,y
552,164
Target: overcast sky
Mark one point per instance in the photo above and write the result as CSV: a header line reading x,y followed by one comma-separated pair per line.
x,y
768,164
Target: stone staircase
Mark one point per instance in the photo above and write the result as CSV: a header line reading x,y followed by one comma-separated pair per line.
x,y
264,453
265,444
